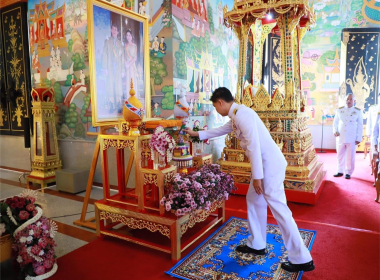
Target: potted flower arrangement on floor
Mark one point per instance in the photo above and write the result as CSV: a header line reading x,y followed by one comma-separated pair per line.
x,y
33,235
198,190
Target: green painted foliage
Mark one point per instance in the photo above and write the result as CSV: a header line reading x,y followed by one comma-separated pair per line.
x,y
313,86
58,92
322,60
71,116
78,62
168,100
157,70
308,75
86,100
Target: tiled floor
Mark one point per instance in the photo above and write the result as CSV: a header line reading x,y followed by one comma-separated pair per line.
x,y
60,207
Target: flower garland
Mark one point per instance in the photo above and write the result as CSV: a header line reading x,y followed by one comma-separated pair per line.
x,y
162,142
34,243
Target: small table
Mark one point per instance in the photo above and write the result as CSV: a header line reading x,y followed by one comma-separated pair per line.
x,y
109,214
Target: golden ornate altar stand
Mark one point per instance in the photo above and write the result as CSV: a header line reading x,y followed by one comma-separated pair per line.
x,y
139,207
45,151
281,108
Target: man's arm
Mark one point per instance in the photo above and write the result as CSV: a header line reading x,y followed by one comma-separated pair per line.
x,y
215,132
336,124
359,128
250,133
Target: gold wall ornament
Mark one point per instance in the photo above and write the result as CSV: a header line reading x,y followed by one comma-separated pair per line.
x,y
279,142
18,112
277,101
359,85
3,116
280,127
267,124
346,38
247,98
261,100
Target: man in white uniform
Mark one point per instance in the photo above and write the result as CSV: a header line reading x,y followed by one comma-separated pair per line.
x,y
375,141
348,129
267,176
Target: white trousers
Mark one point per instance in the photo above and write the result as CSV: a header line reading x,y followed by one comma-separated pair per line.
x,y
274,197
346,157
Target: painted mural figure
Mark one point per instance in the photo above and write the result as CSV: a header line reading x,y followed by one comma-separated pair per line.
x,y
130,62
82,77
191,107
142,8
196,109
162,46
156,110
112,63
36,64
42,39
155,46
31,37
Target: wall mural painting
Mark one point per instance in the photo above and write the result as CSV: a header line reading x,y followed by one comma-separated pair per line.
x,y
321,55
205,55
59,52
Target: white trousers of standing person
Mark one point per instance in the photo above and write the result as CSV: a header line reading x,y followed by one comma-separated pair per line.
x,y
346,157
274,197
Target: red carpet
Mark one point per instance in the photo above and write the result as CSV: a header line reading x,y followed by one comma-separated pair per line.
x,y
347,245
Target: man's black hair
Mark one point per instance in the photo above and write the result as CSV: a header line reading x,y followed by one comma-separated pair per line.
x,y
222,93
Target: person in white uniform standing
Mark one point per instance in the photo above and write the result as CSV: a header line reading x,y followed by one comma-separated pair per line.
x,y
268,167
348,130
376,141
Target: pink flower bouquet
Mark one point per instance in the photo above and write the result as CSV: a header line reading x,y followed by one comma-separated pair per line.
x,y
198,190
34,235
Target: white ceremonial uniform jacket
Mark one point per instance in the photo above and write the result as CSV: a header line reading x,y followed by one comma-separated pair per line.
x,y
371,120
265,156
375,135
348,122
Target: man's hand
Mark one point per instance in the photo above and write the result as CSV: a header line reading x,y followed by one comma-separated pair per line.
x,y
191,132
336,134
257,185
357,142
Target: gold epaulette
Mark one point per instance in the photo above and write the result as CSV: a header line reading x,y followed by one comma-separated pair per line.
x,y
341,107
235,111
357,108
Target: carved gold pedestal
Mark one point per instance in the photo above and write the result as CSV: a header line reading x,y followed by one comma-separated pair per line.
x,y
45,144
281,107
109,215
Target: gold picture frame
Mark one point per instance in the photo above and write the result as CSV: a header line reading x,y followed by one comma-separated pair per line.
x,y
118,53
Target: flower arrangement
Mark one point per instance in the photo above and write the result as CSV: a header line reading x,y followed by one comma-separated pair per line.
x,y
34,235
198,190
162,142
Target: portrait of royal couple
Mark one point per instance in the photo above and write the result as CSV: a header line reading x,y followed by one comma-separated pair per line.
x,y
119,66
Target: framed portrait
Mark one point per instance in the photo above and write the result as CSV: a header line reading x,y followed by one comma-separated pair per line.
x,y
119,60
